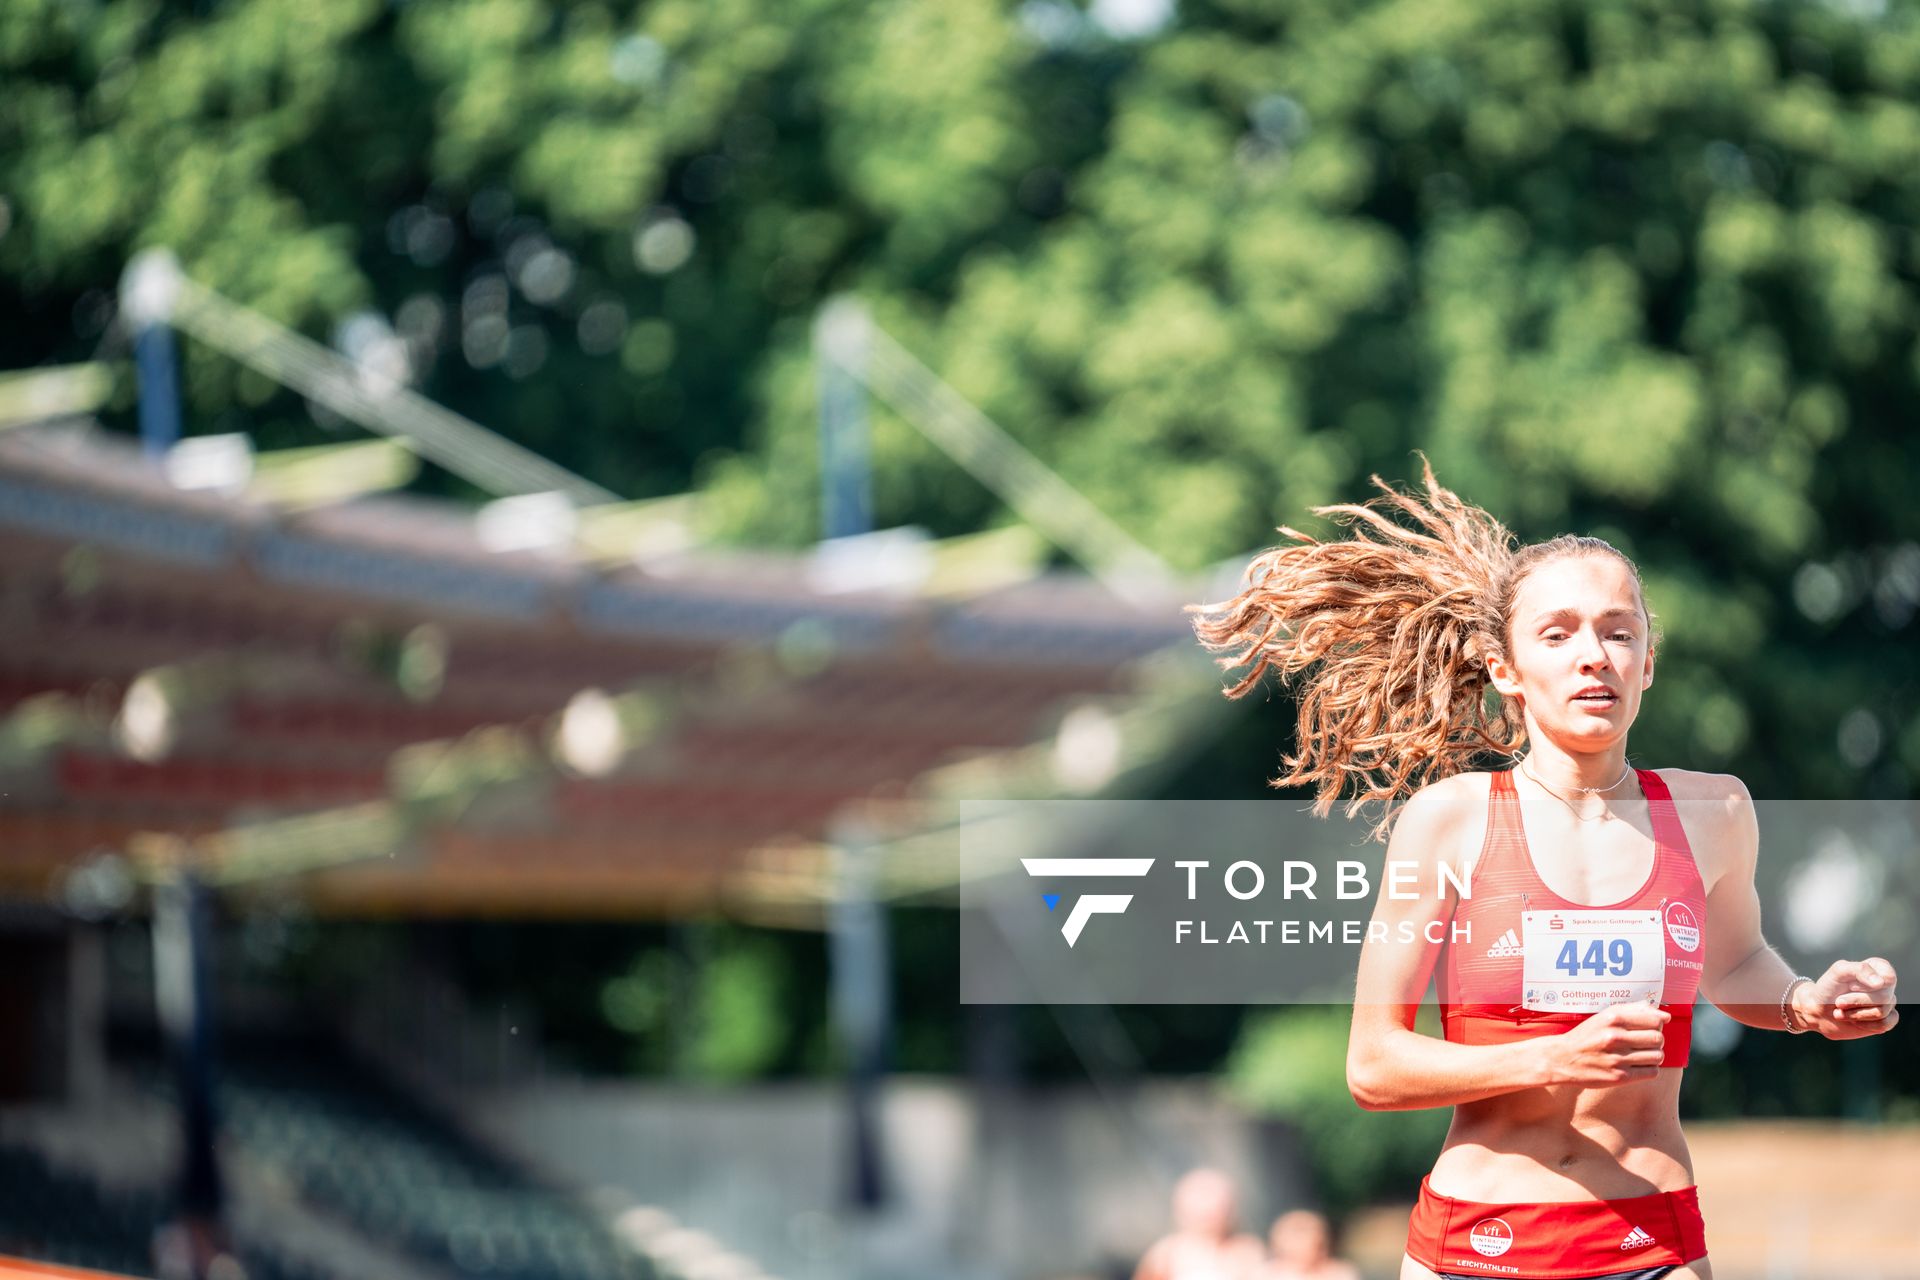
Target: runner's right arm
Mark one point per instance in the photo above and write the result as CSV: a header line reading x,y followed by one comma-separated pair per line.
x,y
1392,1067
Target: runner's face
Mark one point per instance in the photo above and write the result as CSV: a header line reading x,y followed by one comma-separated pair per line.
x,y
1577,625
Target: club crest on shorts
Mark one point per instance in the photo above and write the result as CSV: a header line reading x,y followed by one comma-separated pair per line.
x,y
1491,1237
1683,926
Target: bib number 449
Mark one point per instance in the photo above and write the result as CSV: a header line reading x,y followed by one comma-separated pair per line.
x,y
1616,959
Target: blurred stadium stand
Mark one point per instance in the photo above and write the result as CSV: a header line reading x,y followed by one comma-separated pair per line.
x,y
46,1212
365,704
336,1173
299,651
356,1148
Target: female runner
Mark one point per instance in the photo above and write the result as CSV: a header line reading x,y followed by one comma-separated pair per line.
x,y
1592,913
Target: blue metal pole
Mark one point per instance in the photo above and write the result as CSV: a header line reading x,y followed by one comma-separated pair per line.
x,y
857,919
862,1004
840,355
183,990
149,289
159,388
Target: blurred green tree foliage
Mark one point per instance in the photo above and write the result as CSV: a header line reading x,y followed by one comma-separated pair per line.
x,y
715,1010
1292,1063
1644,269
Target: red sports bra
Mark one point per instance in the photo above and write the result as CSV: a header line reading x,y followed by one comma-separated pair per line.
x,y
1480,982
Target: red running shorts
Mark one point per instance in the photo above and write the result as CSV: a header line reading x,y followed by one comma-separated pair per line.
x,y
1641,1238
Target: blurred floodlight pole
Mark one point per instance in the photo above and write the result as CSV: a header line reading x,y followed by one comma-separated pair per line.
x,y
850,347
156,295
861,1000
182,908
842,338
149,290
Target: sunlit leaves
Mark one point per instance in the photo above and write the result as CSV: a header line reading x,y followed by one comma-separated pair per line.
x,y
934,152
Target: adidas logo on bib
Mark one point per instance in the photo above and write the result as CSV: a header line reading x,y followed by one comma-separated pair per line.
x,y
1507,944
1636,1238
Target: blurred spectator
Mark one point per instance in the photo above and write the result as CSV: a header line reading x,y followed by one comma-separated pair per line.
x,y
1203,1245
194,1247
1303,1250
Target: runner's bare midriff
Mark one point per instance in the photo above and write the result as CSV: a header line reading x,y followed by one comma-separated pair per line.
x,y
1563,1142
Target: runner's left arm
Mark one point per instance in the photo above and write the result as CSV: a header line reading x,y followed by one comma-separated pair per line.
x,y
1744,977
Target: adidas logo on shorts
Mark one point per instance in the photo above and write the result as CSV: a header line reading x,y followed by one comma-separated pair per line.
x,y
1636,1238
1507,944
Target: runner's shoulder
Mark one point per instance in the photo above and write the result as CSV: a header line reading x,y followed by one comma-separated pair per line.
x,y
1715,797
1460,793
1437,815
1717,813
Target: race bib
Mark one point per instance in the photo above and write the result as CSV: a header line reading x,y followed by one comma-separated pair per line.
x,y
1581,961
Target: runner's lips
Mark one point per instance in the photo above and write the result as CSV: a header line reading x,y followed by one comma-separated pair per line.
x,y
1593,696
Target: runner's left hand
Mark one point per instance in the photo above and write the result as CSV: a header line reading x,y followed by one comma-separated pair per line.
x,y
1852,999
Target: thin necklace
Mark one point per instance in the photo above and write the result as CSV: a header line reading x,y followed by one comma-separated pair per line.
x,y
1604,814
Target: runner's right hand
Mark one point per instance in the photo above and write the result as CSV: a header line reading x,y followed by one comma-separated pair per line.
x,y
1618,1045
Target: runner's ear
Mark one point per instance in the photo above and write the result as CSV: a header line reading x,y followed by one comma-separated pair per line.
x,y
1502,675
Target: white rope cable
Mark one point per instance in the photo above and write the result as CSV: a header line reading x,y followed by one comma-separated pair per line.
x,y
997,460
459,444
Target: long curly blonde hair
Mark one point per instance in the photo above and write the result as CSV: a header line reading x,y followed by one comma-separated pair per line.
x,y
1387,636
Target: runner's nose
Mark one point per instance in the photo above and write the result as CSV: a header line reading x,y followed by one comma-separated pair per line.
x,y
1593,652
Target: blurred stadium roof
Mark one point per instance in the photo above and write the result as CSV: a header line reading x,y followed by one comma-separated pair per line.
x,y
361,692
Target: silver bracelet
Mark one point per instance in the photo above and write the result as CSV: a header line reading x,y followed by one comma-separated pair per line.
x,y
1786,1007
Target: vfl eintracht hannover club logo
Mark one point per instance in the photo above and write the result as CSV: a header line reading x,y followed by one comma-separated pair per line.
x,y
1090,904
